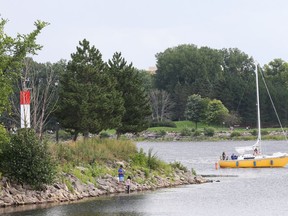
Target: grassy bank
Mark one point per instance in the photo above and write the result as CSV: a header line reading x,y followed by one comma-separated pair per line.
x,y
93,158
69,171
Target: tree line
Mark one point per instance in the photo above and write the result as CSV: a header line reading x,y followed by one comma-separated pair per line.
x,y
87,95
226,75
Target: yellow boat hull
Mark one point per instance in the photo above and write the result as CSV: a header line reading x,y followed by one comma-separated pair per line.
x,y
254,163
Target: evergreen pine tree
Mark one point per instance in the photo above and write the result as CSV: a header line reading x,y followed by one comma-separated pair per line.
x,y
136,100
88,99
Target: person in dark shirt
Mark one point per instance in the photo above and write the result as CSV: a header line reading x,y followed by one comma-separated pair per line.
x,y
223,156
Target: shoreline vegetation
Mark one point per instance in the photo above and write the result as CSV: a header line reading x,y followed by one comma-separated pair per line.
x,y
186,131
89,168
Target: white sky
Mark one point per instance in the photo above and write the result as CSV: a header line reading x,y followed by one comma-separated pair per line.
x,y
141,28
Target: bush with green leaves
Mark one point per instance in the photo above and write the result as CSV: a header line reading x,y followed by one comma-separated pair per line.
x,y
64,135
139,159
178,165
197,133
235,134
163,124
26,159
104,135
161,133
254,132
209,131
150,160
186,132
4,138
153,161
263,132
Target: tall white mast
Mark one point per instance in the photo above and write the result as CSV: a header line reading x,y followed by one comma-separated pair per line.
x,y
258,110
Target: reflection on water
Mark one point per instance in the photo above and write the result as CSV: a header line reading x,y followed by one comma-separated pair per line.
x,y
254,192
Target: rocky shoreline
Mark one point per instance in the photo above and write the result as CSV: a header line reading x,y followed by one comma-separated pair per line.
x,y
12,194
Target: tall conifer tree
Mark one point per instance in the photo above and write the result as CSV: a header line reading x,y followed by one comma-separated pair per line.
x,y
89,101
136,100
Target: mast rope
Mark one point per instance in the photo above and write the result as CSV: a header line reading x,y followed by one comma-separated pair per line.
x,y
261,73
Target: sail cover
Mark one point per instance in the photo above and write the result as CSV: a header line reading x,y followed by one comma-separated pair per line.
x,y
242,150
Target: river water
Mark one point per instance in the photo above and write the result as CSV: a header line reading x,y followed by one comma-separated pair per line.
x,y
253,192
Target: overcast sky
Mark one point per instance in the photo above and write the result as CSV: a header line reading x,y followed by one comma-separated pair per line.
x,y
141,28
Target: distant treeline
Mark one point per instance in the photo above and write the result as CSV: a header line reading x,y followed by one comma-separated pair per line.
x,y
227,75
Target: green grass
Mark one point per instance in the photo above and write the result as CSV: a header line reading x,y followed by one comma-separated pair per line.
x,y
180,125
189,124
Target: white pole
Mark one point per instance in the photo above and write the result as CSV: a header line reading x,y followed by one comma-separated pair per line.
x,y
258,108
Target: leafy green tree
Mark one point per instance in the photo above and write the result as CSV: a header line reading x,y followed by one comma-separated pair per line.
x,y
177,65
136,101
185,70
89,101
277,69
216,112
276,77
147,80
235,88
4,138
179,99
196,108
12,53
232,119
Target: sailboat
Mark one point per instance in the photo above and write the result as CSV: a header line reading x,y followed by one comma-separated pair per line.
x,y
251,156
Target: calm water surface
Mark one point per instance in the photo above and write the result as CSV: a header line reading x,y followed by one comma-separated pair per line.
x,y
254,192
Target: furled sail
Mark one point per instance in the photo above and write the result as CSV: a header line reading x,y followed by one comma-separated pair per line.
x,y
242,150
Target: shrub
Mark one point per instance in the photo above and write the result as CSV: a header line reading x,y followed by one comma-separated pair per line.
x,y
139,159
27,160
209,131
64,135
263,132
193,171
153,161
254,132
4,138
104,135
186,132
197,133
179,166
150,160
161,133
163,124
235,134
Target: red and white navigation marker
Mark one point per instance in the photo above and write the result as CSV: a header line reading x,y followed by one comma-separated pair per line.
x,y
25,109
